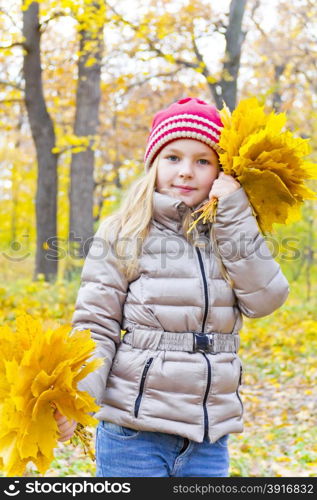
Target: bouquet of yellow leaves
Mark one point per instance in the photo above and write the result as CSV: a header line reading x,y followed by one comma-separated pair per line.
x,y
39,372
269,163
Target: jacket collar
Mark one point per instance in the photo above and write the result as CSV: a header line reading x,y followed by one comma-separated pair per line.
x,y
170,212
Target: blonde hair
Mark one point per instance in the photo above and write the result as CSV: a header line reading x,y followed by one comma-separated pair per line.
x,y
129,226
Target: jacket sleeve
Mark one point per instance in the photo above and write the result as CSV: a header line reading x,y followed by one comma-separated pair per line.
x,y
258,282
98,307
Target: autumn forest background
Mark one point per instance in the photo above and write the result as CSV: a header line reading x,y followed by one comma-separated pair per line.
x,y
79,83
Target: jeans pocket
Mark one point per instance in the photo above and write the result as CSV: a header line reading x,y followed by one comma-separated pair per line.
x,y
223,441
119,431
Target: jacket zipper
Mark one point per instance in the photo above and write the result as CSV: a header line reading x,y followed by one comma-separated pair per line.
x,y
237,391
138,399
201,264
205,397
202,269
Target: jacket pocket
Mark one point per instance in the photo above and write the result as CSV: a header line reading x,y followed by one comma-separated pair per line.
x,y
143,378
237,391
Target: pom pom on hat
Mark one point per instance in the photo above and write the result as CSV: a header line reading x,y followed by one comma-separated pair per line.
x,y
189,118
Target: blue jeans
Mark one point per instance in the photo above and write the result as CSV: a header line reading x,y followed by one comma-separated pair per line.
x,y
125,452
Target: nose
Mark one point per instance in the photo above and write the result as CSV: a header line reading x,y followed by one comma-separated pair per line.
x,y
185,168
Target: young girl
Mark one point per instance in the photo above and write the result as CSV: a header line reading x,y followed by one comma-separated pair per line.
x,y
169,388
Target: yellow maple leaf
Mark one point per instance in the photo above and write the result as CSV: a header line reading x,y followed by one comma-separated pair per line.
x,y
257,185
36,380
269,162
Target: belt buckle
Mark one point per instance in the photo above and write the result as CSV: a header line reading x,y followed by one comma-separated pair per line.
x,y
203,342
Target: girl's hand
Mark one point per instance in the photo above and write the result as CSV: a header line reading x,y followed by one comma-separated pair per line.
x,y
223,186
66,427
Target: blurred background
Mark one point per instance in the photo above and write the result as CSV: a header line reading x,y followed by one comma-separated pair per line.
x,y
80,81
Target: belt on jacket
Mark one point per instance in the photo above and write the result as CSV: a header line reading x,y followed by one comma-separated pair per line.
x,y
211,342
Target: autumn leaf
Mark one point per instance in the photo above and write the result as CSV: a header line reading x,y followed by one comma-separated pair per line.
x,y
36,379
271,164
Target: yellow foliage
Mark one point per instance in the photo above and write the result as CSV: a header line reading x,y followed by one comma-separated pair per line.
x,y
269,163
39,371
91,61
211,79
73,142
170,58
111,176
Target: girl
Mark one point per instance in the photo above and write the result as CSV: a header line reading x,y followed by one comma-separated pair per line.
x,y
169,388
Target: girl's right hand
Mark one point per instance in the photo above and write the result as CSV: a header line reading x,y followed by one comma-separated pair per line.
x,y
223,186
66,427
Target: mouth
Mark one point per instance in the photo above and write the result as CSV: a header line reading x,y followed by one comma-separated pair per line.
x,y
185,189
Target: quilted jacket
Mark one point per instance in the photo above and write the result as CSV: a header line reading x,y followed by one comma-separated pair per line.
x,y
179,288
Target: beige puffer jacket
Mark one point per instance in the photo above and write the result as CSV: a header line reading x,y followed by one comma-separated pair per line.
x,y
179,289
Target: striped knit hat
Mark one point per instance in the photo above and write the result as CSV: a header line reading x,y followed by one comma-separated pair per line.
x,y
188,118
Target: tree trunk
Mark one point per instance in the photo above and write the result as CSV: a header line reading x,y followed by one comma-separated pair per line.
x,y
44,139
81,227
226,89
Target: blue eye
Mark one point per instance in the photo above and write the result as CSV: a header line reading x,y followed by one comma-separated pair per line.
x,y
203,161
172,158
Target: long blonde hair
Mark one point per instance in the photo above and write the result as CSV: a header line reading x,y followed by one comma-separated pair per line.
x,y
130,224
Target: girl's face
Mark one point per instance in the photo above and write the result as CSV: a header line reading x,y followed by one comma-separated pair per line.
x,y
187,163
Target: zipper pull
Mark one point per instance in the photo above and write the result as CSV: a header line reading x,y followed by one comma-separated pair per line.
x,y
146,367
149,361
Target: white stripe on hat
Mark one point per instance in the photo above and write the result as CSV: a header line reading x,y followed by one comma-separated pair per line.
x,y
175,118
182,124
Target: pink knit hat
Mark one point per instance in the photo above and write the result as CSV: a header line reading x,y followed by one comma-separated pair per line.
x,y
189,118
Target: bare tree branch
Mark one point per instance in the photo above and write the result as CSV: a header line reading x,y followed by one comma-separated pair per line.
x,y
158,75
14,44
255,7
151,43
196,50
9,101
45,23
10,17
11,84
